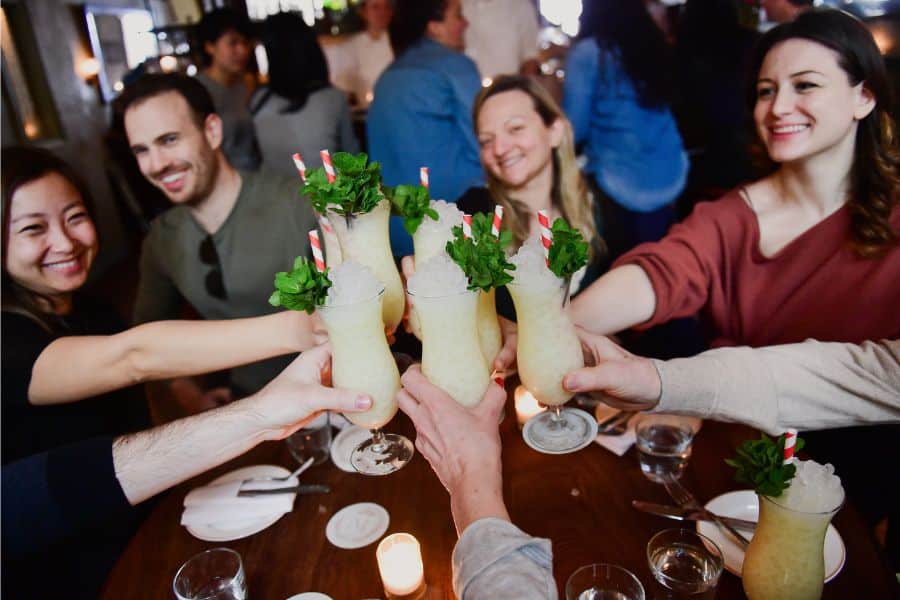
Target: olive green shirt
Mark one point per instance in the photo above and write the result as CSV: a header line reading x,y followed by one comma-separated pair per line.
x,y
266,229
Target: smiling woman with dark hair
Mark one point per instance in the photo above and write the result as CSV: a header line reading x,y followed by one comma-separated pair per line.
x,y
298,111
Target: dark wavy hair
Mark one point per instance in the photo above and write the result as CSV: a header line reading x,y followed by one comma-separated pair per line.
x,y
625,28
217,23
875,174
154,84
23,165
297,66
410,21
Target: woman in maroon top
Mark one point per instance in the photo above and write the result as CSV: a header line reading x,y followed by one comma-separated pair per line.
x,y
809,251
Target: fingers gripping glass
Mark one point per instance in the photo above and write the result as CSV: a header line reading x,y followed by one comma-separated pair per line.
x,y
215,285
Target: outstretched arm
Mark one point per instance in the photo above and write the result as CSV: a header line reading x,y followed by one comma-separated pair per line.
x,y
149,462
622,298
78,367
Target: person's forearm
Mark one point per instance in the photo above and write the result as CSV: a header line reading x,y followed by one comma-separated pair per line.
x,y
73,368
149,462
622,298
812,385
479,496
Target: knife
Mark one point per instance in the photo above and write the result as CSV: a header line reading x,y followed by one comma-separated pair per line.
x,y
685,514
295,489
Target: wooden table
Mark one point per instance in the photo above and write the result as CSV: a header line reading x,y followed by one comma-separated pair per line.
x,y
581,501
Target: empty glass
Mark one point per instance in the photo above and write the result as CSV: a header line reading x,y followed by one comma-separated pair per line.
x,y
312,441
664,444
685,563
601,581
216,574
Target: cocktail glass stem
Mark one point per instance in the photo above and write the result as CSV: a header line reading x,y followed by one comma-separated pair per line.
x,y
378,444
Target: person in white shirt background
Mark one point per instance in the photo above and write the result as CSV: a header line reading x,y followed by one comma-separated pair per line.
x,y
502,37
356,64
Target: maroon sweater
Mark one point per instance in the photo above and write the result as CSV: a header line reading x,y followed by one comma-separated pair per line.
x,y
815,287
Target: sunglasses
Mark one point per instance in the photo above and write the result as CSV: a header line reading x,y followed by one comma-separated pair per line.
x,y
215,285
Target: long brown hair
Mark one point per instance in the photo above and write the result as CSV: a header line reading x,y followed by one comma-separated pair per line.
x,y
875,174
569,192
22,165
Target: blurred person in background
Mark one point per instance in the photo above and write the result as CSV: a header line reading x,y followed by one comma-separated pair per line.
x,y
502,36
298,110
422,112
782,11
226,38
366,54
617,92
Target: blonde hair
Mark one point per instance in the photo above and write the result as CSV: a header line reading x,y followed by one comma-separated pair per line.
x,y
569,192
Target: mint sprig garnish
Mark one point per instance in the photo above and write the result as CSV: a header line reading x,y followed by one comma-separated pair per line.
x,y
760,464
355,189
481,257
302,288
412,203
568,250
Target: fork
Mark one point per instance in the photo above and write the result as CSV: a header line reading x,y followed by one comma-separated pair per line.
x,y
299,470
686,499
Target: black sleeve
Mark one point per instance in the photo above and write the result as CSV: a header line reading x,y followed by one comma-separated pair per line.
x,y
23,342
59,494
475,200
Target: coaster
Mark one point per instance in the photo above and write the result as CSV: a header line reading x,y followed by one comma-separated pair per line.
x,y
310,596
357,525
343,445
552,445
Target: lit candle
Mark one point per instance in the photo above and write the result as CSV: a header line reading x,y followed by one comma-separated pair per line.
x,y
400,564
526,406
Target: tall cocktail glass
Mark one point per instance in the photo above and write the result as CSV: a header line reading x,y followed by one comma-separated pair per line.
x,y
451,352
489,334
362,361
547,349
365,239
786,557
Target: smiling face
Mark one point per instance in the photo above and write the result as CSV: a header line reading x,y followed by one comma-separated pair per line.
x,y
51,240
172,151
805,104
516,145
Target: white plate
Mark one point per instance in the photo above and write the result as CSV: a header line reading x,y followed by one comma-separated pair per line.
x,y
310,596
591,421
221,533
343,445
743,504
357,525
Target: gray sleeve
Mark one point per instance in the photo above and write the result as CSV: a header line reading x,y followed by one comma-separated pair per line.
x,y
813,385
157,297
347,139
495,559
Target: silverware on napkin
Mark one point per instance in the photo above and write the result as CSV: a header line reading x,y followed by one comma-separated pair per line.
x,y
687,514
294,489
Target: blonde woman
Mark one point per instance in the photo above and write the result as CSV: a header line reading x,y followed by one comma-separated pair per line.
x,y
528,154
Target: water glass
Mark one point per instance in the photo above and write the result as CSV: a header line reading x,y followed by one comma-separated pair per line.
x,y
684,563
664,444
216,574
601,581
312,441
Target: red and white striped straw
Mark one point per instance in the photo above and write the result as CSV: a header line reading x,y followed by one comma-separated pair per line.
x,y
301,168
326,225
498,218
546,233
423,177
317,250
790,439
467,226
326,162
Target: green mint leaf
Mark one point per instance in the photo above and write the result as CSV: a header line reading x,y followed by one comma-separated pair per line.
x,y
411,202
355,189
302,288
481,257
759,464
568,250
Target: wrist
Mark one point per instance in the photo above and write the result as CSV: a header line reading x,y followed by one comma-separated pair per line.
x,y
478,495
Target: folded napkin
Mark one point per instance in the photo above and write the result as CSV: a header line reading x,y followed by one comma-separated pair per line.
x,y
219,504
617,444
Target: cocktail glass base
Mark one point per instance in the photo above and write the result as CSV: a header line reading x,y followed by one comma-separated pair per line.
x,y
568,431
382,454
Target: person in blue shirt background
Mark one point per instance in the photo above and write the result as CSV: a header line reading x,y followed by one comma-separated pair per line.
x,y
421,115
616,94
